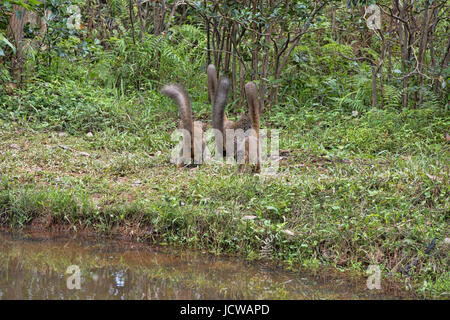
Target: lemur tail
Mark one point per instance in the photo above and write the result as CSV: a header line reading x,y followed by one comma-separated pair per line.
x,y
219,104
181,98
212,85
251,93
211,82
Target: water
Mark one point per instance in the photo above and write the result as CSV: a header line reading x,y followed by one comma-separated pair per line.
x,y
34,265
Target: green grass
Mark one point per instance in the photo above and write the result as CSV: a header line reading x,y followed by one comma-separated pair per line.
x,y
355,190
85,144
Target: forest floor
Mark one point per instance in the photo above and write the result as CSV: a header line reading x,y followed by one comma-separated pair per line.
x,y
346,212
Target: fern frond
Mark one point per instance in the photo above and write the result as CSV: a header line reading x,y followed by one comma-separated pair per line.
x,y
392,96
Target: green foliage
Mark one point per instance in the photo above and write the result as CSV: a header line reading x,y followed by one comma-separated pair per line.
x,y
392,96
5,42
65,105
357,178
153,60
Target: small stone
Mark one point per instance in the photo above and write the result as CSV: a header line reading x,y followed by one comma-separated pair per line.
x,y
89,135
14,146
247,217
82,153
288,232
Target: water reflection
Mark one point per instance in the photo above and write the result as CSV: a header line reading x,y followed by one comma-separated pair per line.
x,y
33,266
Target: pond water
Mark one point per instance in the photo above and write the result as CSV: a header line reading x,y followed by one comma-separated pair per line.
x,y
34,266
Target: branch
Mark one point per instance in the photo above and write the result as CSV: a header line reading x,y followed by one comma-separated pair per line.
x,y
305,28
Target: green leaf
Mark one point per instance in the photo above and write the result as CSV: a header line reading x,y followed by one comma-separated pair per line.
x,y
271,208
3,39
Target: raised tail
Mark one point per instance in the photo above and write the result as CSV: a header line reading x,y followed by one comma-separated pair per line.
x,y
212,82
212,85
181,98
251,93
219,104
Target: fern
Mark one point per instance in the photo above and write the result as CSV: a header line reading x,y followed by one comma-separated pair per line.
x,y
392,96
351,101
189,32
431,100
191,43
170,58
162,58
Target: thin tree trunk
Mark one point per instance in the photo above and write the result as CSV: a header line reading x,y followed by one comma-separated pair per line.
x,y
422,48
405,51
159,13
374,86
265,66
226,67
172,14
131,19
255,42
241,82
142,22
333,23
15,31
389,49
208,39
220,53
233,65
443,65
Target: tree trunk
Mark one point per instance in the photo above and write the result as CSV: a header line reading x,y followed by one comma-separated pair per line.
x,y
422,49
142,15
374,86
241,82
15,31
131,19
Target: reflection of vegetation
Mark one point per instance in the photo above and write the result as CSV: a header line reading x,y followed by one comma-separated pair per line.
x,y
46,262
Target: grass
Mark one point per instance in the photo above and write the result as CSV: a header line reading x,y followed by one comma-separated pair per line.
x,y
353,189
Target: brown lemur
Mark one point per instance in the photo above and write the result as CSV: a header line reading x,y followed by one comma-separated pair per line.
x,y
194,129
248,147
244,122
193,138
